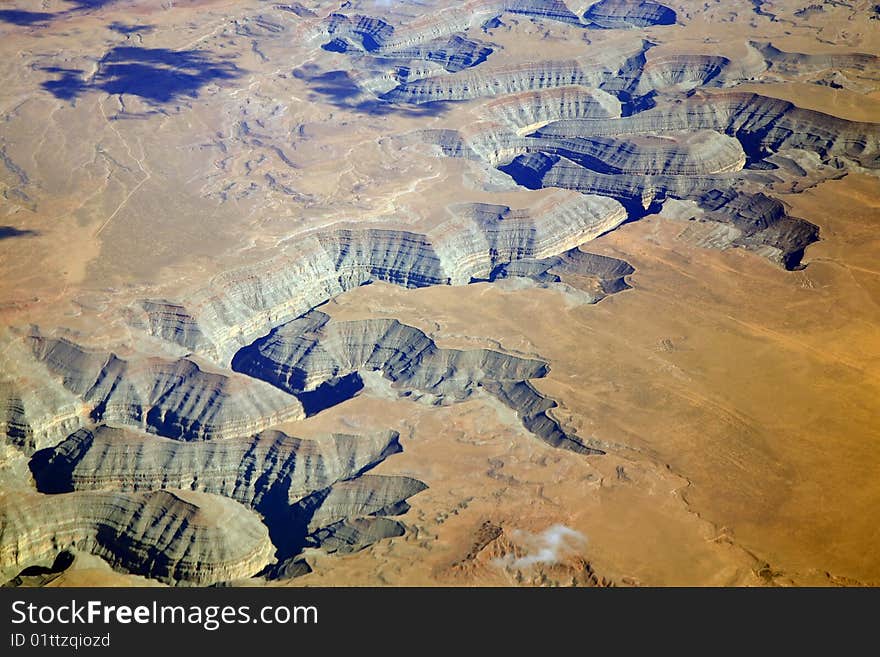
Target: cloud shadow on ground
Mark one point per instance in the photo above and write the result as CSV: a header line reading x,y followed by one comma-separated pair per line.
x,y
7,232
158,75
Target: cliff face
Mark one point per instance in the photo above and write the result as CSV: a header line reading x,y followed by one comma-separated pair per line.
x,y
197,209
270,464
178,537
311,356
172,398
243,304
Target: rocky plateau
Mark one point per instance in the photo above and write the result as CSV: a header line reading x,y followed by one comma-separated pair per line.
x,y
360,292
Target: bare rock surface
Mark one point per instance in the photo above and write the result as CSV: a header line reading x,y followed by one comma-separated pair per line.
x,y
621,253
179,537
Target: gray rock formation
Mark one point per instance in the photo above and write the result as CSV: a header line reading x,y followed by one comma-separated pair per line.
x,y
720,150
762,125
270,465
677,73
431,41
453,53
616,14
607,275
531,407
364,32
173,398
698,153
533,76
368,495
319,361
310,352
795,63
34,418
530,108
179,537
297,486
762,222
556,10
352,535
242,304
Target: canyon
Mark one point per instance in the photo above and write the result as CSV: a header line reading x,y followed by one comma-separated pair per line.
x,y
499,292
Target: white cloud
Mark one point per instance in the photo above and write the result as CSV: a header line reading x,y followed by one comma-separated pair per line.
x,y
548,547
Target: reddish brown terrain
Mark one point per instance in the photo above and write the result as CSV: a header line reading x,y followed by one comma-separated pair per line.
x,y
498,292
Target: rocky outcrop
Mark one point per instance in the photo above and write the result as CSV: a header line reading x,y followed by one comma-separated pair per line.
x,y
352,535
440,40
532,76
173,323
616,14
179,537
172,398
346,512
36,411
270,465
762,125
677,73
297,486
536,108
636,192
762,223
32,418
602,274
242,304
795,63
311,351
364,32
555,10
369,495
312,357
524,563
702,152
531,407
720,150
454,53
38,576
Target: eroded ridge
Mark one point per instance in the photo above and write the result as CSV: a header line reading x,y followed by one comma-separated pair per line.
x,y
175,398
361,505
723,150
269,466
295,485
148,416
378,35
239,306
615,14
321,362
762,125
176,536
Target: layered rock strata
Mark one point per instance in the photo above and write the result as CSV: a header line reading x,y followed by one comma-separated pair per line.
x,y
172,398
762,125
178,537
297,486
270,465
238,306
617,14
312,357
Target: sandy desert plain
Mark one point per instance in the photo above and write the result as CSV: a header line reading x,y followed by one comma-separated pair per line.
x,y
494,292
